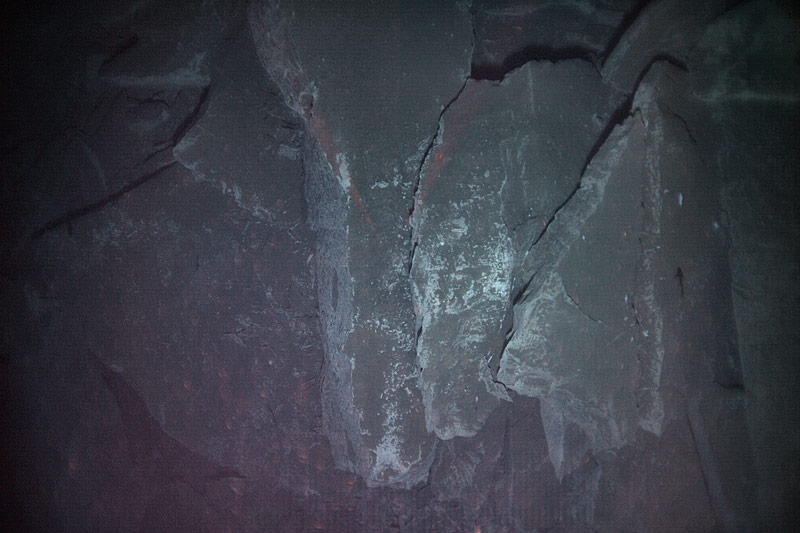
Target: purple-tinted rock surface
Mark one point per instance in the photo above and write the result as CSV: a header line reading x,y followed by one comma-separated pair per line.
x,y
497,266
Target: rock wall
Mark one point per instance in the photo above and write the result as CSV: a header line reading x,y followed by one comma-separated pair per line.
x,y
543,221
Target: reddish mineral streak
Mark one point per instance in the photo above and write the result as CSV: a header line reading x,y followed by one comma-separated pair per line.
x,y
450,139
323,135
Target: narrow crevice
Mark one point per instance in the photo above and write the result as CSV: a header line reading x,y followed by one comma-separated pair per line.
x,y
623,110
121,49
189,121
412,235
420,168
522,291
627,21
435,136
618,116
411,252
497,71
580,309
730,384
432,142
557,210
532,52
518,296
506,341
509,391
683,121
70,216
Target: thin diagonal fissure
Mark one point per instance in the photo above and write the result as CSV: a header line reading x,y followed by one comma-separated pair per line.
x,y
622,112
74,214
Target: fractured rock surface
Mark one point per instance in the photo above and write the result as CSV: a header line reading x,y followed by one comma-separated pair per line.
x,y
488,265
538,254
361,78
478,211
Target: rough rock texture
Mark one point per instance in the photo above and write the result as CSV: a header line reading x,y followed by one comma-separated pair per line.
x,y
509,32
497,266
477,212
751,93
370,91
566,328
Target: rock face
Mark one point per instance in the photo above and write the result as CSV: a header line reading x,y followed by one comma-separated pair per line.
x,y
477,212
498,227
495,265
361,78
428,235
